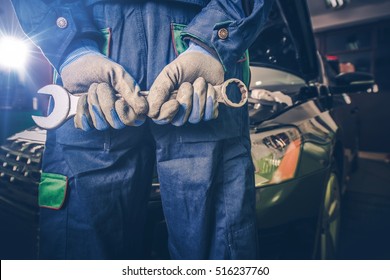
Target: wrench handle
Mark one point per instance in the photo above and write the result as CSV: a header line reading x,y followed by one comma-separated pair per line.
x,y
221,91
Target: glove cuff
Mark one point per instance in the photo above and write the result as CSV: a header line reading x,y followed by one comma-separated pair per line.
x,y
78,49
195,47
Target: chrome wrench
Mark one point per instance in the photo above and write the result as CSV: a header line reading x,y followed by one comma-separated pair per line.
x,y
65,103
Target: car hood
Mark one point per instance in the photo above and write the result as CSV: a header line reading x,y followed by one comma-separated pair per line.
x,y
287,42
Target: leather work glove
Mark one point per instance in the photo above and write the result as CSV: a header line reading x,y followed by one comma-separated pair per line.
x,y
112,97
193,73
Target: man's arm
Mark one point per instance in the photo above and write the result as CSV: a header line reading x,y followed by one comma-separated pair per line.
x,y
57,27
222,32
66,35
228,27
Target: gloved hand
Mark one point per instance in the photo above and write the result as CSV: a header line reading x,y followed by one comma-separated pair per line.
x,y
194,73
103,79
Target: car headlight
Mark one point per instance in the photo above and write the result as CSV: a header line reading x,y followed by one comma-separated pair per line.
x,y
275,155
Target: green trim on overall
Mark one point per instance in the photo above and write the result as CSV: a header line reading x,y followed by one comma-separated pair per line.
x,y
246,72
52,190
55,76
105,49
179,45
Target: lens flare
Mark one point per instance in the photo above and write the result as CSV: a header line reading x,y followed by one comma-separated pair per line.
x,y
13,52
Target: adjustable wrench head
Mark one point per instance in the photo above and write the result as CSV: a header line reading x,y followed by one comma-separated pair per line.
x,y
61,108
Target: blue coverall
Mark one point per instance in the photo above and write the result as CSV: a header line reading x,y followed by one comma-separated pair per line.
x,y
99,180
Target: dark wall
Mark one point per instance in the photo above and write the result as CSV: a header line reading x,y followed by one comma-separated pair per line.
x,y
367,48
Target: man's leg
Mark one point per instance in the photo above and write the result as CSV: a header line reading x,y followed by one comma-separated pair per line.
x,y
108,178
208,197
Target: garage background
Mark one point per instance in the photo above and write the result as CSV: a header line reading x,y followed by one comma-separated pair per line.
x,y
358,34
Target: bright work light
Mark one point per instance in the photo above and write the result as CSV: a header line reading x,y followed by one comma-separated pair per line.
x,y
13,52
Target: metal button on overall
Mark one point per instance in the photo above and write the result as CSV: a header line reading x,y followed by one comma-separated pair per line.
x,y
62,22
223,33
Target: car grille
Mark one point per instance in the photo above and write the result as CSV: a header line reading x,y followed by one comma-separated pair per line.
x,y
20,162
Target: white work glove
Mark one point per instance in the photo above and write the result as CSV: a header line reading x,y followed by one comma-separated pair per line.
x,y
193,73
103,79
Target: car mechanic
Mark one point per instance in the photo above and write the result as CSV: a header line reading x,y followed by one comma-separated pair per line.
x,y
97,170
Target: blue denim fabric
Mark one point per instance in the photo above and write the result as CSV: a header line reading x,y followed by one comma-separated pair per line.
x,y
205,169
109,177
208,197
38,18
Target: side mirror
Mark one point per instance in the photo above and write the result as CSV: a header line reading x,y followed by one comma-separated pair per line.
x,y
354,82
